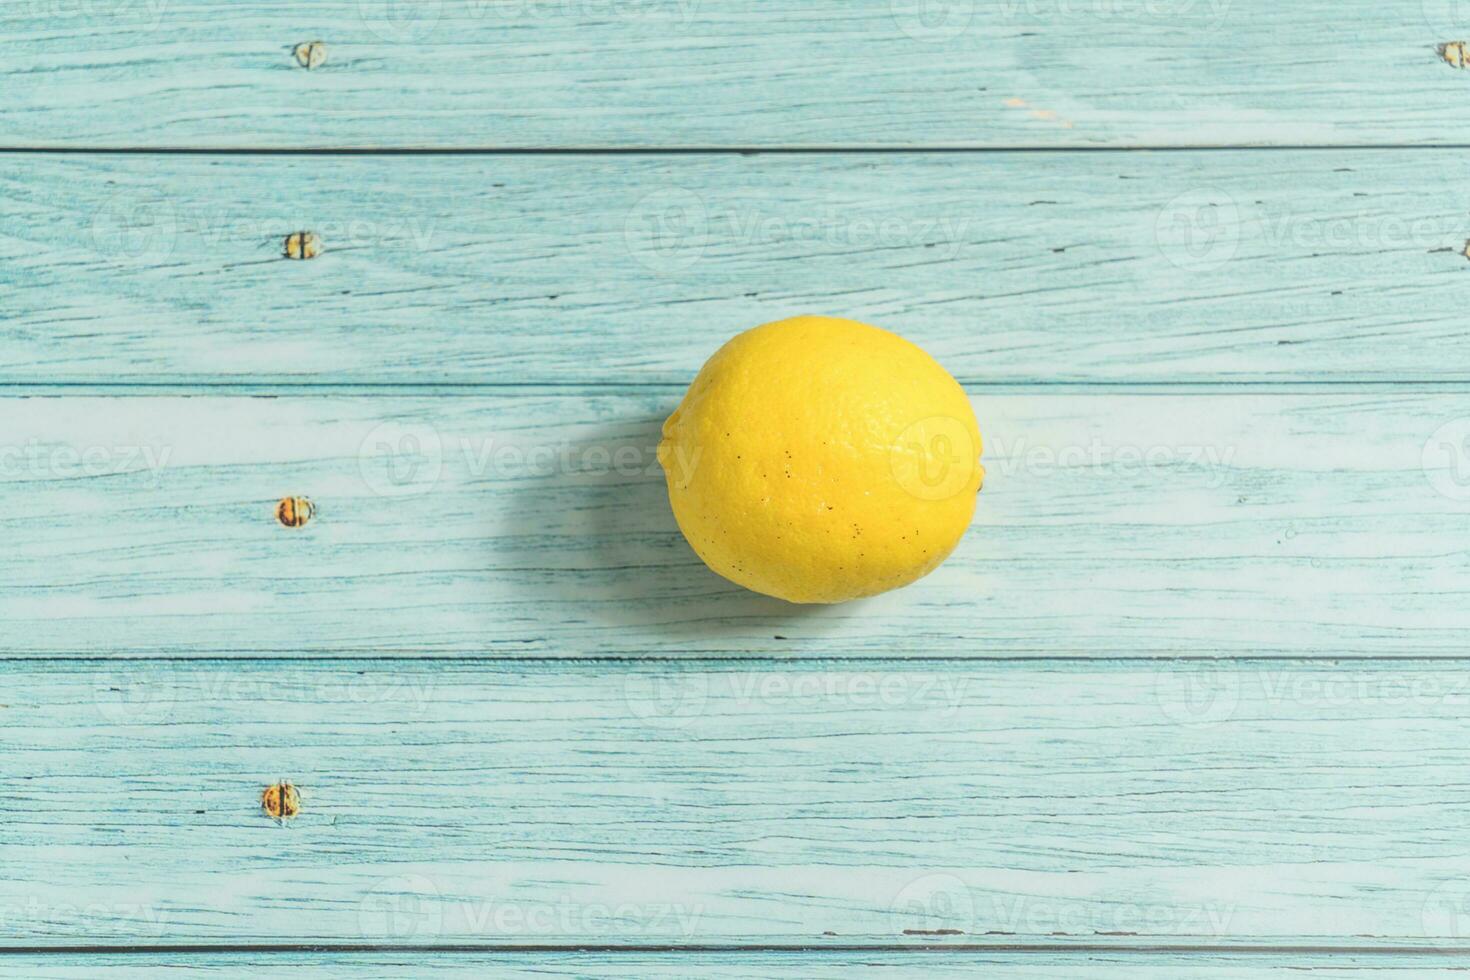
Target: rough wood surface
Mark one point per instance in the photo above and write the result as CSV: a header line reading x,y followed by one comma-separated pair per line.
x,y
508,73
1205,267
533,522
479,658
557,803
735,966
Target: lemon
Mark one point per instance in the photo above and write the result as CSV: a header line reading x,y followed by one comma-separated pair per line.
x,y
819,460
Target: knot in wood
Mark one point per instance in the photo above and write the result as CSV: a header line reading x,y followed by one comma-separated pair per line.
x,y
303,245
310,54
295,511
281,801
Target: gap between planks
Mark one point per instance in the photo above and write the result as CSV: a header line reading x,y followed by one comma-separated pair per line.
x,y
415,389
1280,659
743,965
735,150
491,949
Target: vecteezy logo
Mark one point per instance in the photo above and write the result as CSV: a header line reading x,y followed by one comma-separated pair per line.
x,y
1446,459
933,21
667,700
401,908
1448,19
935,903
135,226
1197,693
400,459
147,14
667,230
130,697
1198,230
1446,912
400,21
935,458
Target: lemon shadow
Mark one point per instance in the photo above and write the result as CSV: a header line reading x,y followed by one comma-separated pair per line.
x,y
602,564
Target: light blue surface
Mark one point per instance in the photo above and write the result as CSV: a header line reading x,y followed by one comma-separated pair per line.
x,y
1203,267
1189,700
737,803
522,521
516,73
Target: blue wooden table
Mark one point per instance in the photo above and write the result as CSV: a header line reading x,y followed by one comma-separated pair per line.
x,y
1191,698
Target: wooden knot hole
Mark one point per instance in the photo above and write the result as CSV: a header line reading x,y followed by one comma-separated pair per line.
x,y
310,54
295,511
303,245
281,801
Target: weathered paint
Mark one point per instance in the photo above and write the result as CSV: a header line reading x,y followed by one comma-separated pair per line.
x,y
508,73
1029,268
1261,459
889,803
534,522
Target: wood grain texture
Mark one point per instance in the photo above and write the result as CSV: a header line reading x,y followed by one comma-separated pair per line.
x,y
534,522
1205,267
518,73
735,966
560,803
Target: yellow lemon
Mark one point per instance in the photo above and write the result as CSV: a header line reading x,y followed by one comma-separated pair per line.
x,y
818,460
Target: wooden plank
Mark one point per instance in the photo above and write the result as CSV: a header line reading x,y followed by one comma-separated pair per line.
x,y
570,803
457,73
1251,266
736,966
532,522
